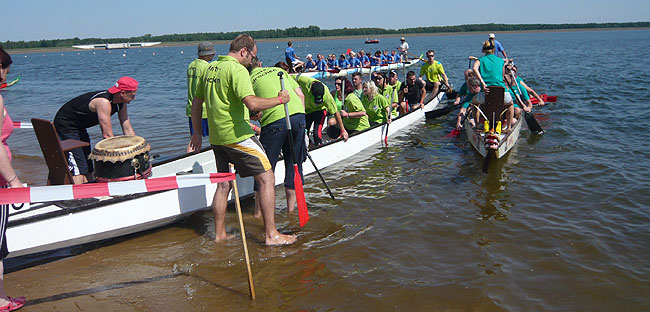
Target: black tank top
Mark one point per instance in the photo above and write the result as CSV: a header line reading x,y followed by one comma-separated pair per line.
x,y
76,115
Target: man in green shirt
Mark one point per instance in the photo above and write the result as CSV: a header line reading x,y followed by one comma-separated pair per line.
x,y
274,138
432,73
194,71
228,92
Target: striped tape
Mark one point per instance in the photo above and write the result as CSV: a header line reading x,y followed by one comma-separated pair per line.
x,y
39,194
23,125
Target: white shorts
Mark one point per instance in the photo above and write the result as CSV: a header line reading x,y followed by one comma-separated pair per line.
x,y
480,97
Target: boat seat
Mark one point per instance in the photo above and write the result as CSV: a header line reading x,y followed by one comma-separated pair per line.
x,y
54,151
493,106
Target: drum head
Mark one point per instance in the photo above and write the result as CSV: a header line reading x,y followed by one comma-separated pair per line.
x,y
119,148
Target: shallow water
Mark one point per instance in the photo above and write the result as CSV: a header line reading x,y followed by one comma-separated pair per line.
x,y
560,224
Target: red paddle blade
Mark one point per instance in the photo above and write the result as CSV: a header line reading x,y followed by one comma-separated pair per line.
x,y
455,132
303,214
551,98
4,85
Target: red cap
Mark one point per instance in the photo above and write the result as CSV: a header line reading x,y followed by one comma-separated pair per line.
x,y
124,84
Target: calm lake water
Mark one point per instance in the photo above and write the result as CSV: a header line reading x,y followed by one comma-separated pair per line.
x,y
560,224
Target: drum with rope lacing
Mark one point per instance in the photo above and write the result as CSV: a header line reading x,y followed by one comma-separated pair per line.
x,y
121,158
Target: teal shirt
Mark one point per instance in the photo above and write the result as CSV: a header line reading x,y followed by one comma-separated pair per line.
x,y
491,69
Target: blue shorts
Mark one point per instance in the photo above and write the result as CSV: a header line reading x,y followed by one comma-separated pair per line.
x,y
274,139
78,161
204,125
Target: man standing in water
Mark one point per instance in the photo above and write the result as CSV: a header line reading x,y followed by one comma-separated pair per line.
x,y
194,71
90,109
228,92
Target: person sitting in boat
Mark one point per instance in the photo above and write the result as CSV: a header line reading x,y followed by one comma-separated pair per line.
x,y
489,70
332,63
310,65
411,94
528,89
354,60
321,65
357,83
354,115
376,59
365,60
90,109
343,63
375,105
388,92
517,92
273,135
337,94
8,179
318,103
393,80
432,73
292,58
463,91
473,87
395,58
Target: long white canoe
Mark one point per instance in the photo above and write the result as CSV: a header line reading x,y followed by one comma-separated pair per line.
x,y
364,70
47,226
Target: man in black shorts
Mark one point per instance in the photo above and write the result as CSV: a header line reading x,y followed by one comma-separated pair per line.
x,y
88,110
411,93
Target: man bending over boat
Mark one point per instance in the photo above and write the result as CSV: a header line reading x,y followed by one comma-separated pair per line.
x,y
228,93
273,135
432,72
319,102
88,110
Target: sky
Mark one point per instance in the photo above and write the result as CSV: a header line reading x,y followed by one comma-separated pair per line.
x,y
26,20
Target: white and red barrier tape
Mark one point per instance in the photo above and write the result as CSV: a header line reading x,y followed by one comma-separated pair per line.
x,y
23,125
39,194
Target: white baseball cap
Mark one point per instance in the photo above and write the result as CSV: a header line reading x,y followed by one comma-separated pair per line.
x,y
491,36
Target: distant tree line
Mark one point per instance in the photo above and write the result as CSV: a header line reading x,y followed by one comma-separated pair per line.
x,y
314,31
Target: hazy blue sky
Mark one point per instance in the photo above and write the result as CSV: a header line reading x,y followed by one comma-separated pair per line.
x,y
35,20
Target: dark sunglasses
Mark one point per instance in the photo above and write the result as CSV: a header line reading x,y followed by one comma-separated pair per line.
x,y
430,55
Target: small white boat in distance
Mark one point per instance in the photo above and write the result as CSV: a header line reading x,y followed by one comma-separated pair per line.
x,y
124,45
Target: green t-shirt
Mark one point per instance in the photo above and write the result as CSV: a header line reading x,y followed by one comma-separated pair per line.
x,y
387,92
491,69
376,109
194,72
266,84
223,87
310,107
432,71
463,90
513,90
353,104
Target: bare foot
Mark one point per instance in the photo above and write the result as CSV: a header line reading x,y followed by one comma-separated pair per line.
x,y
280,239
220,239
257,214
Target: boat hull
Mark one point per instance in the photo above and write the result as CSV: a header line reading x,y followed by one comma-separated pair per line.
x,y
506,141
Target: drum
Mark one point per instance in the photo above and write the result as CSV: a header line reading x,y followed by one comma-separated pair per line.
x,y
121,158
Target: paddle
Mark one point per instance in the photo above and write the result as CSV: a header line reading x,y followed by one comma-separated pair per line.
x,y
11,83
441,112
532,123
486,162
545,98
303,214
390,113
320,175
251,287
456,131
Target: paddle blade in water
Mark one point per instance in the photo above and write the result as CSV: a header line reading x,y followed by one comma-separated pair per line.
x,y
454,133
303,214
532,123
551,98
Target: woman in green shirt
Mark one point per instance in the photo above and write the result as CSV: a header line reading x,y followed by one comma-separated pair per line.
x,y
354,115
375,104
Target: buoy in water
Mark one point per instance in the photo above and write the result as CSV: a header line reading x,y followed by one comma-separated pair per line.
x,y
182,52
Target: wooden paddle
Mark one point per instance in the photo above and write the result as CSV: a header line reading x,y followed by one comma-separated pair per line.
x,y
243,238
303,214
